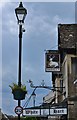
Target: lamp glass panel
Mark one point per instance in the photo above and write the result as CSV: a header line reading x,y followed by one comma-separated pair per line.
x,y
20,16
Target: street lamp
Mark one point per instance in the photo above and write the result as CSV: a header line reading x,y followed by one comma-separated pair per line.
x,y
21,13
34,96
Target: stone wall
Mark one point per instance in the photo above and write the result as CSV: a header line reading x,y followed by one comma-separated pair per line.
x,y
67,35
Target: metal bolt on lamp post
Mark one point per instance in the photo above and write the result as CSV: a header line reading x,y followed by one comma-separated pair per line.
x,y
21,13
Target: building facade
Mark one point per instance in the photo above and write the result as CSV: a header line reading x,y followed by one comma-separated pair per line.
x,y
65,81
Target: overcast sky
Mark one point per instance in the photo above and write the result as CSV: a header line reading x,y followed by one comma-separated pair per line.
x,y
41,34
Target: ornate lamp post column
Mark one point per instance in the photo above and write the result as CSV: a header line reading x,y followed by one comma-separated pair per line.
x,y
21,13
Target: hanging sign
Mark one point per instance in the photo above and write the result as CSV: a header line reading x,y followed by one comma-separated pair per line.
x,y
31,112
44,112
52,61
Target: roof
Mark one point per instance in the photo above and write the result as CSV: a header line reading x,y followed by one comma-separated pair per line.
x,y
49,97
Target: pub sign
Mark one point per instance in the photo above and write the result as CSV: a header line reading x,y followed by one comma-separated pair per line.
x,y
52,61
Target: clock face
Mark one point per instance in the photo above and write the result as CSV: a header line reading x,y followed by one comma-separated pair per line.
x,y
67,35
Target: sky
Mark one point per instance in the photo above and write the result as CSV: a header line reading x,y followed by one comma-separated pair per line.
x,y
41,34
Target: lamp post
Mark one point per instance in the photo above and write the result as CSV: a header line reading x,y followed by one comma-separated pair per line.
x,y
33,95
21,13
